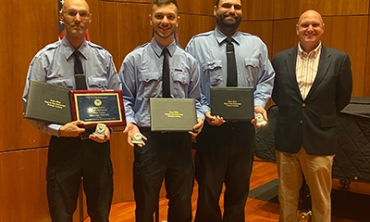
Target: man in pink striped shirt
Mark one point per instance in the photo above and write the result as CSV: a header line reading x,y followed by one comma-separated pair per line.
x,y
312,84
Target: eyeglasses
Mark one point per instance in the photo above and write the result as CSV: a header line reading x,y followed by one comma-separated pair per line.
x,y
73,14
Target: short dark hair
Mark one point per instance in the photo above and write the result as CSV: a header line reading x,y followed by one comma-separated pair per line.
x,y
218,1
164,2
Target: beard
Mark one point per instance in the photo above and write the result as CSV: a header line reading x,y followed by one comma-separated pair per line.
x,y
225,24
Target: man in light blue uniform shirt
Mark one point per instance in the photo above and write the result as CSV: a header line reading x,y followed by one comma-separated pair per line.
x,y
225,149
70,157
162,156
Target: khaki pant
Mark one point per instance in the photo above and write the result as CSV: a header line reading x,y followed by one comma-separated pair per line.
x,y
317,170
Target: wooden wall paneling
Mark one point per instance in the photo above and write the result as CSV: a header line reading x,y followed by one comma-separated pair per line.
x,y
284,35
6,60
122,155
134,30
262,29
33,30
293,9
94,26
284,9
28,137
367,66
204,7
349,34
109,38
120,34
338,7
129,1
23,186
258,10
191,25
196,7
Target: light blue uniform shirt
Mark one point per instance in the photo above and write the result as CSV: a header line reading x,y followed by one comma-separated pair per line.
x,y
253,66
54,64
141,77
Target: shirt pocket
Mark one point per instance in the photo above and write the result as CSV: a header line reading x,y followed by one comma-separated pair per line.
x,y
180,83
147,77
97,83
149,84
213,71
251,71
180,77
62,81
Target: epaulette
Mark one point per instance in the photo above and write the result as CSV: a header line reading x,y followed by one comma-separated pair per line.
x,y
246,34
53,45
93,45
141,46
204,34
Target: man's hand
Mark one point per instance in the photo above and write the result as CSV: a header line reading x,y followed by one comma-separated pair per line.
x,y
197,128
98,139
71,129
131,129
214,120
259,109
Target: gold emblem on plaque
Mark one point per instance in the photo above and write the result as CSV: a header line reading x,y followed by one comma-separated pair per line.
x,y
97,102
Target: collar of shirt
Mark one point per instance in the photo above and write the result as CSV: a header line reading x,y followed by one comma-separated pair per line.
x,y
310,55
158,49
68,49
220,37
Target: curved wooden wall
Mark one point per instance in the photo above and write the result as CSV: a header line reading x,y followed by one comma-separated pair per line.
x,y
120,26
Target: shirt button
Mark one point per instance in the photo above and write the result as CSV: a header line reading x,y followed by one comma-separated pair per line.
x,y
301,121
303,104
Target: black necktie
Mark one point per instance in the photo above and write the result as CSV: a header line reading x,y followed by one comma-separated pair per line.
x,y
232,77
79,72
165,75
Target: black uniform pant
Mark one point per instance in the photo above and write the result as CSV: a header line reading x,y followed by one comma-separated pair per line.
x,y
224,156
166,156
69,160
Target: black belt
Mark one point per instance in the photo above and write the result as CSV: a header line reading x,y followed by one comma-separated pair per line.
x,y
85,135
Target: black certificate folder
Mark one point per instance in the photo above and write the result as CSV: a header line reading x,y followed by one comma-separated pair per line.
x,y
233,103
172,114
48,102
